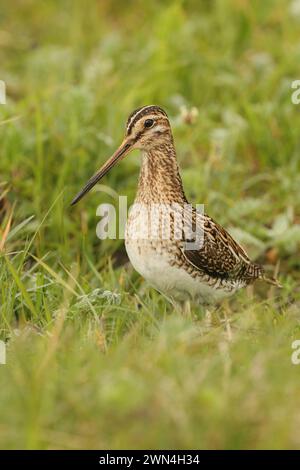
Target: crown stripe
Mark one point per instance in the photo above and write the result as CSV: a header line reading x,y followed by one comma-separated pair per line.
x,y
140,112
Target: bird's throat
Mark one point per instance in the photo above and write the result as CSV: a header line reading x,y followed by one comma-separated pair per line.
x,y
159,180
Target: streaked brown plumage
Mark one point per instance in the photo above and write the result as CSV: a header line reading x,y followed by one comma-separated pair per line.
x,y
217,268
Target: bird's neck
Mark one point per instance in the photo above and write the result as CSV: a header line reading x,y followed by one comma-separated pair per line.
x,y
159,180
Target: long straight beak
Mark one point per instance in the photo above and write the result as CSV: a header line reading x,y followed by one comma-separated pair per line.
x,y
117,156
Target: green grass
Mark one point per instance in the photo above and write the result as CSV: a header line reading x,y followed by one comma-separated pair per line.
x,y
96,358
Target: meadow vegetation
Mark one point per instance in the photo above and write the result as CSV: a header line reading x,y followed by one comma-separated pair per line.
x,y
95,357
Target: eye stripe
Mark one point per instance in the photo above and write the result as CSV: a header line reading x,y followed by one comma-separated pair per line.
x,y
135,114
140,112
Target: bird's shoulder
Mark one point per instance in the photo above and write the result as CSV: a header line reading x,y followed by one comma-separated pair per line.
x,y
218,254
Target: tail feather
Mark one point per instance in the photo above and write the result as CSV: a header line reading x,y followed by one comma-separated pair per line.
x,y
258,272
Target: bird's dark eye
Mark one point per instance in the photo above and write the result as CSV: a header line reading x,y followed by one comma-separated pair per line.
x,y
148,123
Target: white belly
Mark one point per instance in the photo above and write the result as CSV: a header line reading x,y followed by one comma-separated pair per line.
x,y
170,280
153,261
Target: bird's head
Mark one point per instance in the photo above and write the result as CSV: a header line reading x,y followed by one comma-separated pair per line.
x,y
147,127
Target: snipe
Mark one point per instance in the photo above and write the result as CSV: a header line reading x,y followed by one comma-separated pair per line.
x,y
215,268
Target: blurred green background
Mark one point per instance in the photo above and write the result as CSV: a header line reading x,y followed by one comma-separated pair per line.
x,y
96,358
